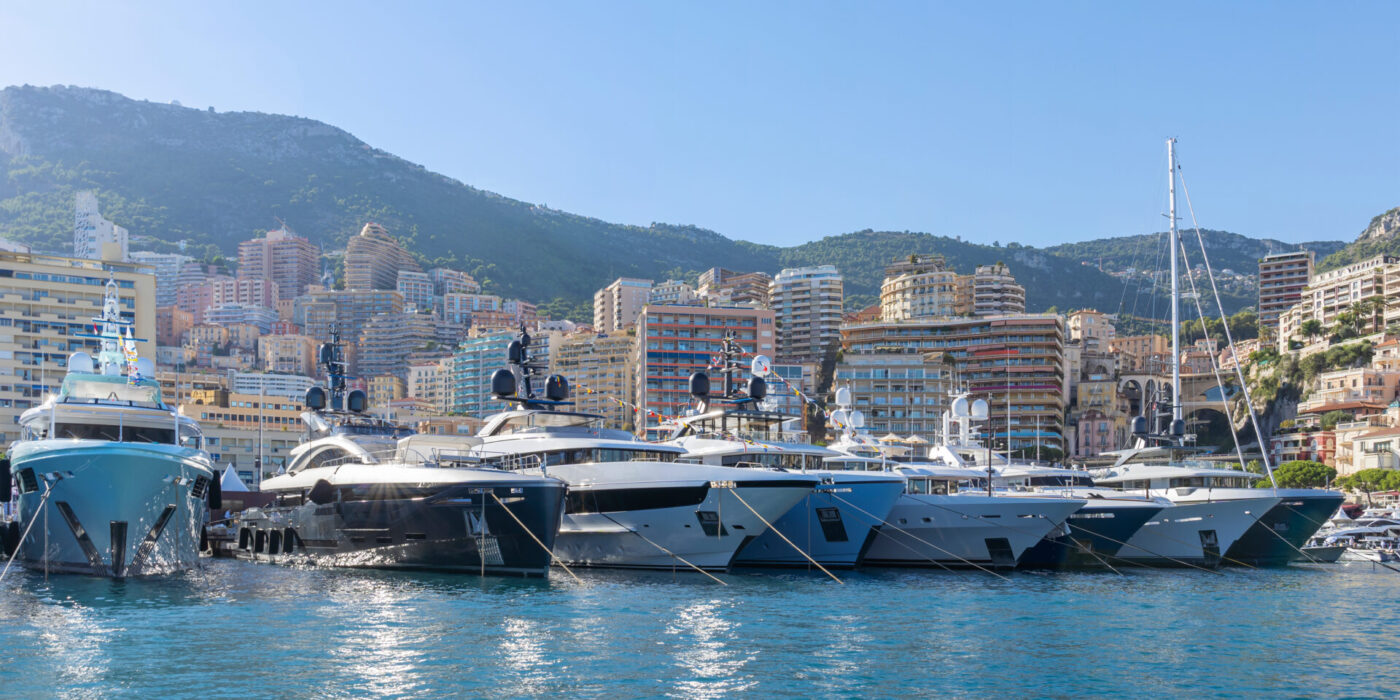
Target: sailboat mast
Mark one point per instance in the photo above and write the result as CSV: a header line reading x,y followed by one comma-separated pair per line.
x,y
1176,292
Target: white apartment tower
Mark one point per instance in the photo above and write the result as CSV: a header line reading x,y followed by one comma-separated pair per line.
x,y
95,238
807,302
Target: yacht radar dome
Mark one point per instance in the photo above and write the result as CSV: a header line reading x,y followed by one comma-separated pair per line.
x,y
80,362
843,397
761,366
980,409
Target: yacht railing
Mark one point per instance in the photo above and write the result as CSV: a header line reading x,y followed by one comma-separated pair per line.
x,y
796,437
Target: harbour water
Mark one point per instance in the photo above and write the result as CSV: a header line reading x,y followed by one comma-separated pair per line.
x,y
235,629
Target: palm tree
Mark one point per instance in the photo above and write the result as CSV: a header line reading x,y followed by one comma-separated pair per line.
x,y
1311,328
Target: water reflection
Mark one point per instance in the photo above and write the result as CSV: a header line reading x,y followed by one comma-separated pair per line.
x,y
705,646
233,629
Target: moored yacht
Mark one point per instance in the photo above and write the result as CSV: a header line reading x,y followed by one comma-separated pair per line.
x,y
112,481
940,520
363,492
1092,535
1280,530
631,504
835,523
1283,519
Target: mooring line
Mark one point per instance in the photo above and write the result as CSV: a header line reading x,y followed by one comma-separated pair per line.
x,y
1183,562
663,549
47,490
527,530
920,539
785,539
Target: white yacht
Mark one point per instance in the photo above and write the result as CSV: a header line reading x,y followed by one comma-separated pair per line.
x,y
1283,519
362,492
835,523
112,481
940,520
1092,536
631,504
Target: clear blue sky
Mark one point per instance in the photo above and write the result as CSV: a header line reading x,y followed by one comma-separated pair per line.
x,y
784,122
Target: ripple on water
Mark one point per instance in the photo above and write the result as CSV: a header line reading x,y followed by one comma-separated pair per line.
x,y
232,629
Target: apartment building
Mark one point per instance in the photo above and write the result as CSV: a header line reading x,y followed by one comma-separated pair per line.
x,y
318,311
374,259
1015,362
45,303
673,292
428,381
723,287
282,257
1142,353
288,354
417,289
990,290
899,392
447,281
807,303
1093,329
599,367
387,341
167,271
1282,279
920,287
615,307
480,355
675,341
94,237
1332,292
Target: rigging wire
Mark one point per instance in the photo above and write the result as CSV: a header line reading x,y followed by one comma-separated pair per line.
x,y
1229,339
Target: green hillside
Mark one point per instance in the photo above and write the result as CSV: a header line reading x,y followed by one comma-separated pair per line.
x,y
1381,237
1228,251
170,173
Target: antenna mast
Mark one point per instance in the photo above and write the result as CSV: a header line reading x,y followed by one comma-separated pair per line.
x,y
1176,294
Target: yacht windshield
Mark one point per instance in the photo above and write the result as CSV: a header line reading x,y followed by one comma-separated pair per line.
x,y
544,420
581,455
114,433
98,387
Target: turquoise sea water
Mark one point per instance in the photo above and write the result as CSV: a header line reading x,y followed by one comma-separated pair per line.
x,y
236,630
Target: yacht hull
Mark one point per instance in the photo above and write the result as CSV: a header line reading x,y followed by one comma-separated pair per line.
x,y
1096,533
834,524
965,530
460,528
1193,534
112,509
1279,536
1325,554
611,526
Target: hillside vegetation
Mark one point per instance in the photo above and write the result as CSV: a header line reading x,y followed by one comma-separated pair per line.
x,y
1380,237
170,173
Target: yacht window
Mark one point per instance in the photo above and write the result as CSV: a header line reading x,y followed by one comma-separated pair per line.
x,y
321,457
1187,481
88,431
163,436
917,486
1061,480
190,437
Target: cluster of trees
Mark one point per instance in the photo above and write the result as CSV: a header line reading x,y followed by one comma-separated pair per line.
x,y
1297,474
1244,325
1369,481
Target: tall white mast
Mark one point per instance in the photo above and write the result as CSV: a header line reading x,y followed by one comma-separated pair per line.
x,y
1176,295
